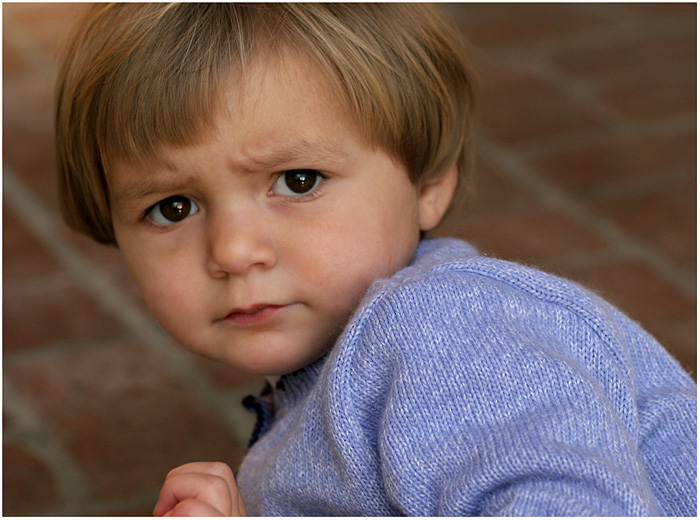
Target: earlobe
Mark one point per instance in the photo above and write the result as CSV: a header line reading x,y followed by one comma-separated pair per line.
x,y
435,197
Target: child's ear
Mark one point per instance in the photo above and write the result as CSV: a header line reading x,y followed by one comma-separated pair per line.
x,y
435,195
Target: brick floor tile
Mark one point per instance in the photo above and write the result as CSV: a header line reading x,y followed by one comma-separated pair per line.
x,y
644,296
108,259
27,483
631,60
665,219
47,22
41,15
104,255
489,192
656,10
623,159
32,157
521,24
58,312
8,422
526,236
28,102
493,192
12,61
516,105
637,289
23,255
645,78
122,416
223,376
663,95
680,338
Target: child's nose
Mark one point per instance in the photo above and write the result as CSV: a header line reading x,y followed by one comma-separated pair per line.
x,y
239,243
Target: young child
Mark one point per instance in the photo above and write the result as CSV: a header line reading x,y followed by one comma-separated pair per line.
x,y
269,172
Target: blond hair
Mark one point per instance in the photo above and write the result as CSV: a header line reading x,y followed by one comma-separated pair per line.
x,y
139,76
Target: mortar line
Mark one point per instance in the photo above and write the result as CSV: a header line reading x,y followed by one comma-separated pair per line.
x,y
606,37
659,128
512,165
73,486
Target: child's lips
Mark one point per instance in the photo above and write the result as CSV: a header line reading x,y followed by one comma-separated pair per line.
x,y
253,315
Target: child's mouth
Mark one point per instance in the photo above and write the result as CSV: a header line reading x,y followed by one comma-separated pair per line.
x,y
253,315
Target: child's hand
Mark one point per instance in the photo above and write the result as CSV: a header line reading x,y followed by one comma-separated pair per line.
x,y
200,489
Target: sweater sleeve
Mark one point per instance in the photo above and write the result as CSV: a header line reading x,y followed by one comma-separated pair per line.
x,y
490,399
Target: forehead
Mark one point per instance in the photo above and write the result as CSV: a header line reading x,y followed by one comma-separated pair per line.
x,y
273,85
280,113
285,88
275,78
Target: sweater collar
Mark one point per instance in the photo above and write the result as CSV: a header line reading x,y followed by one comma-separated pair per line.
x,y
296,385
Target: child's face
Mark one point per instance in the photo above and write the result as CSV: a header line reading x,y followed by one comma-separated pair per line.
x,y
255,246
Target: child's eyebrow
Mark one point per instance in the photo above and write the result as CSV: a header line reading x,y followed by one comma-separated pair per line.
x,y
281,153
135,191
275,155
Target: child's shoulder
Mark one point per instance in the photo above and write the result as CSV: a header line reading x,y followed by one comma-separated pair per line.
x,y
450,291
449,271
453,301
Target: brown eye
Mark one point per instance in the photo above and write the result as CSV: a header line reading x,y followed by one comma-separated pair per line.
x,y
297,182
171,210
300,181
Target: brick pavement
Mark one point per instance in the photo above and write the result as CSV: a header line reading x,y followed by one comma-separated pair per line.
x,y
587,168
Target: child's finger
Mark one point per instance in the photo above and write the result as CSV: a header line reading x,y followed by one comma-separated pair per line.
x,y
219,469
214,468
204,487
193,507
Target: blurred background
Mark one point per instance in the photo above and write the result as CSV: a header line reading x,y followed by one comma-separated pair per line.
x,y
586,168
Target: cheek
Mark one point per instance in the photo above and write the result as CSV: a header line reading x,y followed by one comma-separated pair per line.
x,y
351,250
380,237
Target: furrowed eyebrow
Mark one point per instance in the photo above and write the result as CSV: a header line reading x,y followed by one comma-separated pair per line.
x,y
287,152
276,155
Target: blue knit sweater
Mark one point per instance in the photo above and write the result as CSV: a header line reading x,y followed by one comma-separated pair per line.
x,y
466,385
